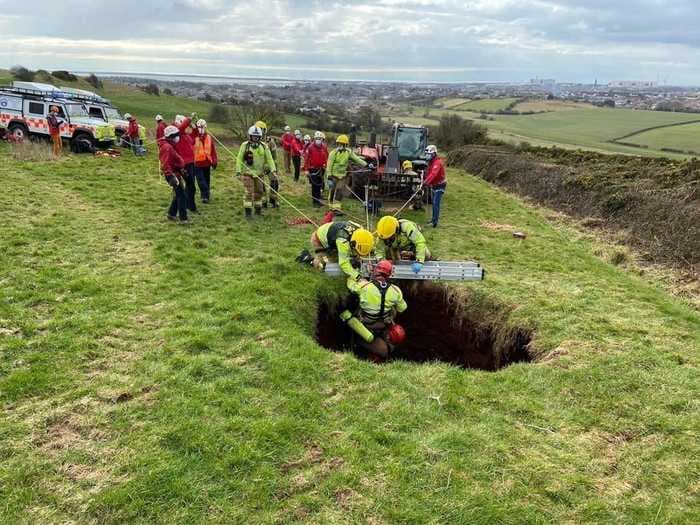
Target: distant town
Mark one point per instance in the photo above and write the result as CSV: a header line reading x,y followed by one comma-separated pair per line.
x,y
314,97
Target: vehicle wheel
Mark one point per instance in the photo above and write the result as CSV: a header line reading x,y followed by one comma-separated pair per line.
x,y
80,140
18,131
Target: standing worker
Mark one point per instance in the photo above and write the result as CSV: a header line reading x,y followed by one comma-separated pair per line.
x,y
380,302
435,180
343,239
315,165
338,162
185,148
205,159
397,236
296,150
172,166
253,159
286,141
269,141
132,133
160,127
54,123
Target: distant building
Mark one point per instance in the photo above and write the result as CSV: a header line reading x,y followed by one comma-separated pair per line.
x,y
547,84
632,84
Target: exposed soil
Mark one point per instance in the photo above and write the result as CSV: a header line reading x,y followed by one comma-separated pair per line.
x,y
441,324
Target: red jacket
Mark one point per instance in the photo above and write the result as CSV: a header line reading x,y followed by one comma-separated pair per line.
x,y
213,159
54,124
133,131
160,130
316,157
436,173
170,162
286,141
296,147
185,148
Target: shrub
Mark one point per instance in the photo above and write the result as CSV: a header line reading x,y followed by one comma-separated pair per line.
x,y
64,75
455,131
219,113
152,89
242,117
93,81
23,74
168,92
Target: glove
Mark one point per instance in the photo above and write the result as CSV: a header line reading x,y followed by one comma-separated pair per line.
x,y
370,166
417,267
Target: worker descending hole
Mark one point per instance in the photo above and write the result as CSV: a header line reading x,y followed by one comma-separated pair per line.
x,y
380,302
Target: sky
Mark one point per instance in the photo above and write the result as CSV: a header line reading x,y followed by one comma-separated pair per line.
x,y
385,40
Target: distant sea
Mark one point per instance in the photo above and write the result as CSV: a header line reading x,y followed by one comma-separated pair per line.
x,y
204,79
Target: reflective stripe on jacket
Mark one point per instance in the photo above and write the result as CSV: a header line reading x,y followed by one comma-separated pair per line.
x,y
204,151
335,236
407,237
262,160
370,294
338,162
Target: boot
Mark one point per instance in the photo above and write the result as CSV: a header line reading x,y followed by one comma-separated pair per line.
x,y
258,210
264,204
248,213
273,203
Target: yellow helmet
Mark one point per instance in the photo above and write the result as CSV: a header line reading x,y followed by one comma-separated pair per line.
x,y
261,124
342,139
407,165
387,226
362,241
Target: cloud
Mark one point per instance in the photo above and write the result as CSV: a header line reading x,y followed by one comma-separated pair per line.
x,y
446,40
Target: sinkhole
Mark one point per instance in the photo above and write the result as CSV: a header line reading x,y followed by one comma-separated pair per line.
x,y
453,325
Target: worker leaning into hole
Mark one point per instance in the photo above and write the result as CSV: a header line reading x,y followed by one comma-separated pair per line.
x,y
172,167
344,239
274,181
380,302
337,170
253,159
401,239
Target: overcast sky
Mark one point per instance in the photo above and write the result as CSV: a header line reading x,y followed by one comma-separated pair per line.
x,y
440,40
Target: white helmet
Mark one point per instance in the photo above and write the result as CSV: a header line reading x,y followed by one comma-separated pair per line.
x,y
159,118
318,135
170,132
287,128
307,137
127,116
297,133
254,131
179,119
201,123
432,149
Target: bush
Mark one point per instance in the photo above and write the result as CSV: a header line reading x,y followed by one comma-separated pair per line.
x,y
242,117
23,74
219,113
64,75
168,92
93,81
152,89
455,131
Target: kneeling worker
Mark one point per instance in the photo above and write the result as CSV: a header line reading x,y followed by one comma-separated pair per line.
x,y
344,238
380,302
401,235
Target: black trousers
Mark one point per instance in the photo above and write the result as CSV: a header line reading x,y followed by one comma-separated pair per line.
x,y
190,188
316,180
204,181
178,206
296,160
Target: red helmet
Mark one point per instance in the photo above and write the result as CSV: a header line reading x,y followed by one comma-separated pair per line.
x,y
383,269
396,334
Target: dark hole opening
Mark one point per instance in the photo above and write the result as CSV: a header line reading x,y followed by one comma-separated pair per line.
x,y
440,326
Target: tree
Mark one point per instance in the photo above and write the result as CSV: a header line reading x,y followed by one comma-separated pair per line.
x,y
219,113
23,74
168,92
455,131
152,89
64,75
93,81
242,117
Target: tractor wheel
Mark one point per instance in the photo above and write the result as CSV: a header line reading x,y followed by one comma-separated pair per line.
x,y
19,132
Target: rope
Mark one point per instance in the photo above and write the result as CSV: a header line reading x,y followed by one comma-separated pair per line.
x,y
409,200
269,187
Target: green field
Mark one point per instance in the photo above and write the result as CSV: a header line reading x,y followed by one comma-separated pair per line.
x,y
488,105
151,373
685,138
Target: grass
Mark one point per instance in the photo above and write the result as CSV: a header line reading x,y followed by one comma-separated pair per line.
x,y
488,105
683,138
154,373
549,105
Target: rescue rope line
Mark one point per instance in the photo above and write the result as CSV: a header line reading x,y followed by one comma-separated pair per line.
x,y
268,186
409,200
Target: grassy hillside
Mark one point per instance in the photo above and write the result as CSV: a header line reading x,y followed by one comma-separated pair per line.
x,y
685,138
154,373
488,105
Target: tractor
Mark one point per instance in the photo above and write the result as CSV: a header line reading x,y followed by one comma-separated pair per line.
x,y
389,182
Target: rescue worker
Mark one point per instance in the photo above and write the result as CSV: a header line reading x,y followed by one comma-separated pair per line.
x,y
315,161
160,127
397,236
305,145
344,240
253,159
337,169
436,181
132,133
407,169
271,143
296,149
205,159
380,302
54,123
185,148
172,167
286,141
